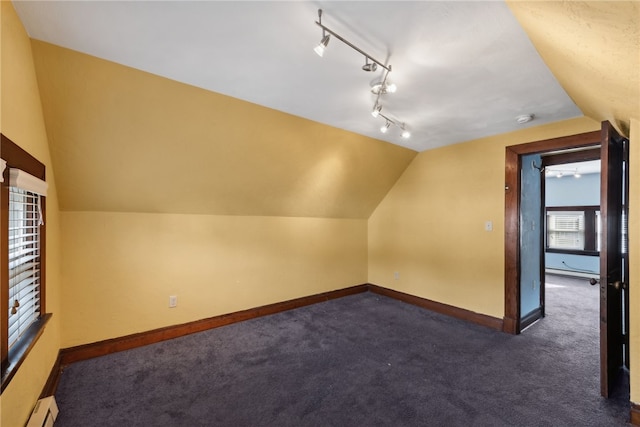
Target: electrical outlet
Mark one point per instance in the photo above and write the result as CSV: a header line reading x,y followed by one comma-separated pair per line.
x,y
396,275
173,301
488,226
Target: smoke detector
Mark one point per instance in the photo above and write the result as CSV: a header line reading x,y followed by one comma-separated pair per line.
x,y
524,118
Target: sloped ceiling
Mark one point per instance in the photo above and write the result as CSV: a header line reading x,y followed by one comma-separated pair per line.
x,y
464,70
593,49
127,140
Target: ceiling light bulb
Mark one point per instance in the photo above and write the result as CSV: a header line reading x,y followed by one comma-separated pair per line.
x,y
385,128
577,175
322,45
376,110
406,134
391,88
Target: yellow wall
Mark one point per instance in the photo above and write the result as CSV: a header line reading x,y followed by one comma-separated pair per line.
x,y
124,140
120,268
430,228
168,189
23,123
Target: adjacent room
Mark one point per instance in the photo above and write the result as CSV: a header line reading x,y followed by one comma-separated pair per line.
x,y
319,213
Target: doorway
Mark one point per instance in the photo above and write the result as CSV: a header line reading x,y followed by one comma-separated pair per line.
x,y
612,267
513,182
559,223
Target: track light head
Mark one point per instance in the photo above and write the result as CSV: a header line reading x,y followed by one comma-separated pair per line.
x,y
376,110
320,48
369,66
405,133
386,127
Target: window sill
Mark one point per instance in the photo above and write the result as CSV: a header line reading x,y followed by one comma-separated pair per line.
x,y
572,252
21,349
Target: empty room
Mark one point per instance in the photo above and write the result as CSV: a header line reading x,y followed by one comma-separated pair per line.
x,y
328,213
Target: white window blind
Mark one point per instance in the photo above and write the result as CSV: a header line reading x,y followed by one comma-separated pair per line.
x,y
21,179
565,230
24,261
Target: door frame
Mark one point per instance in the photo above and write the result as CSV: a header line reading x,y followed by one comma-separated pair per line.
x,y
513,164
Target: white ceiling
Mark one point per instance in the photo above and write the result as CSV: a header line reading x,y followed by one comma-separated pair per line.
x,y
464,70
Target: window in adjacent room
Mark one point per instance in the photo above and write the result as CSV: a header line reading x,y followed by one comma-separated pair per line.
x,y
573,229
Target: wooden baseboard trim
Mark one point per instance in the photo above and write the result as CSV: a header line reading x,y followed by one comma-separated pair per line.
x,y
635,414
102,348
70,355
510,325
449,310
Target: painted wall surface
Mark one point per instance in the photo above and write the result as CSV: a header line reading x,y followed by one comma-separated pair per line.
x,y
22,121
129,141
570,191
169,189
634,252
430,228
530,234
120,268
571,262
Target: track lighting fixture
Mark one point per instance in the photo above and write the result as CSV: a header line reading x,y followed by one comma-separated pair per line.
x,y
371,64
559,173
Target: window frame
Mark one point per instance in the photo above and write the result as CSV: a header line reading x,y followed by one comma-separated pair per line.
x,y
11,359
590,230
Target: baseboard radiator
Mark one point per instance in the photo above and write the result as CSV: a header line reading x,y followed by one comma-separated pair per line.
x,y
44,414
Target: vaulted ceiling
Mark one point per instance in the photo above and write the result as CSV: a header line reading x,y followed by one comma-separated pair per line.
x,y
465,70
222,107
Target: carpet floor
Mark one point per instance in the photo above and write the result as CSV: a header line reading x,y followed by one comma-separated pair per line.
x,y
361,360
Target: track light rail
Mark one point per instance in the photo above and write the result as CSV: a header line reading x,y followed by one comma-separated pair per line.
x,y
348,43
378,88
393,122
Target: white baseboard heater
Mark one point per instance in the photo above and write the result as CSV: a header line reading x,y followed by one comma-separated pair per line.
x,y
44,414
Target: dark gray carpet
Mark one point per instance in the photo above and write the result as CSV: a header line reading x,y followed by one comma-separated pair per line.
x,y
363,360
